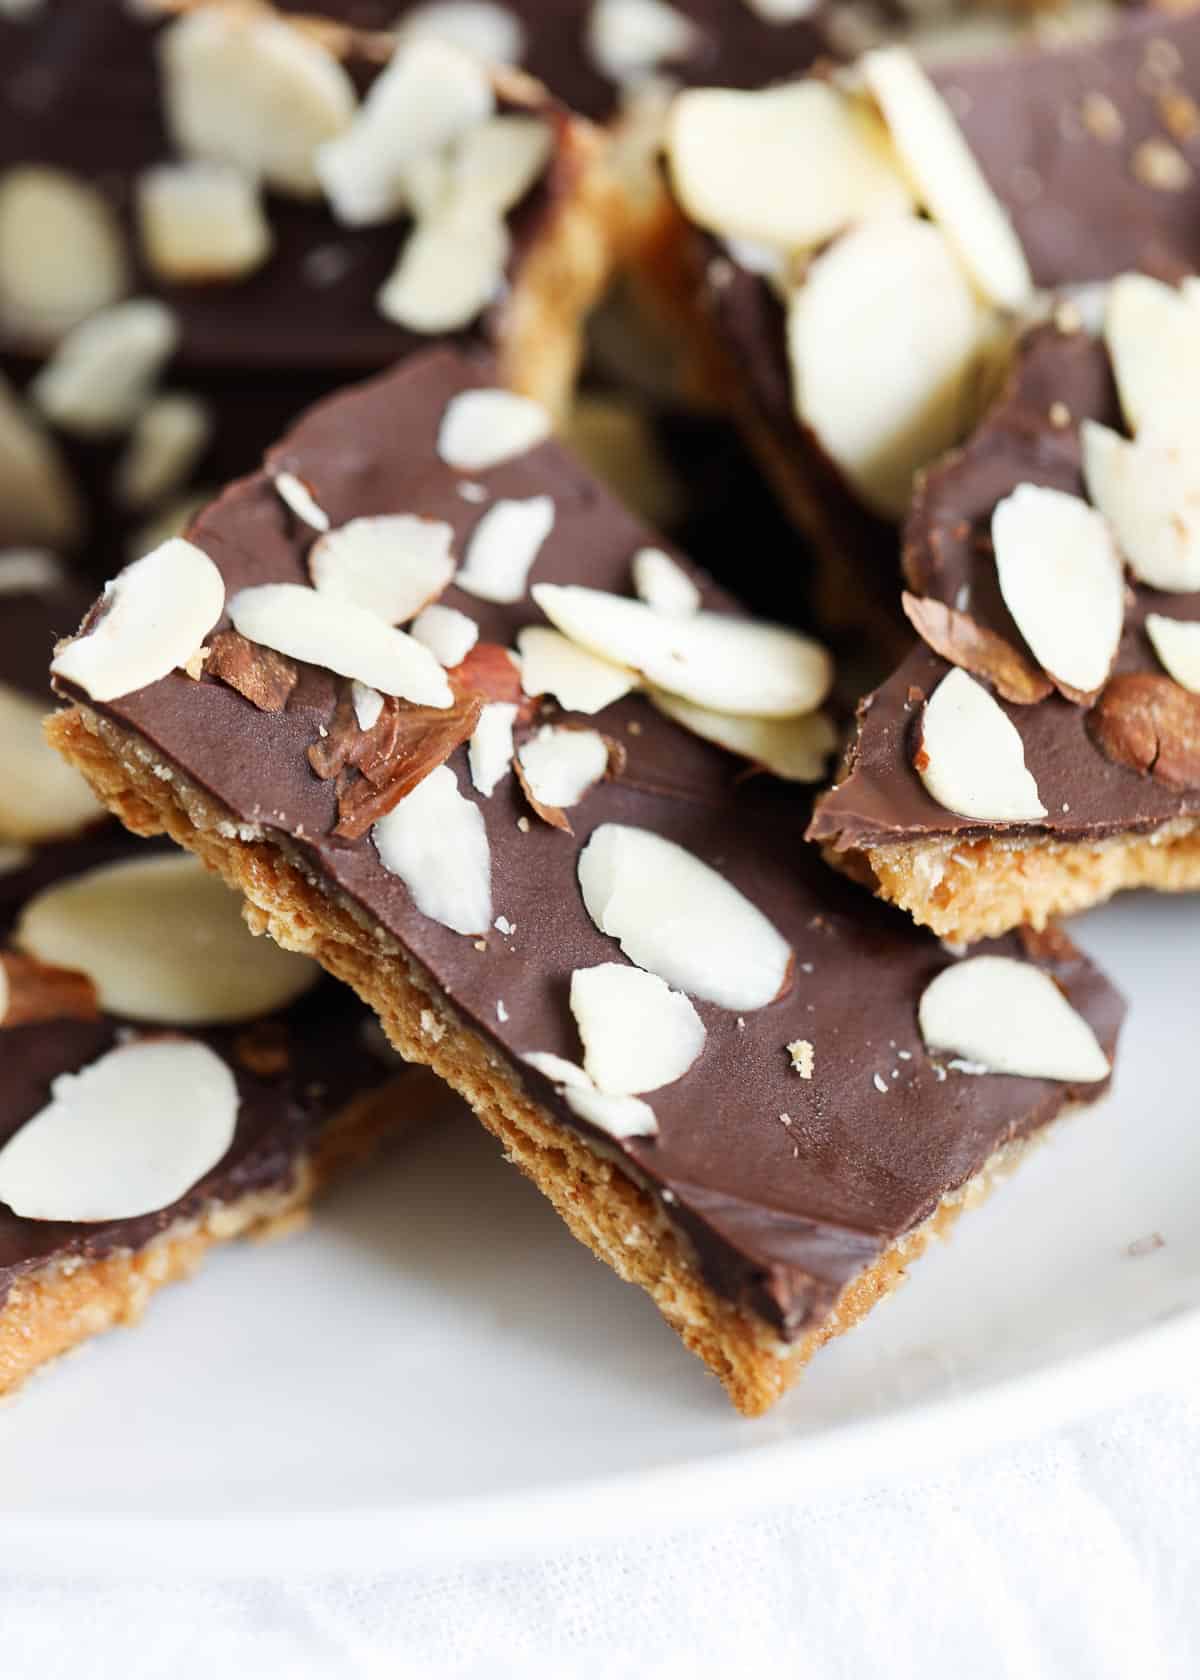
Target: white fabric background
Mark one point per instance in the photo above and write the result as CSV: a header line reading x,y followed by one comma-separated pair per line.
x,y
1074,1557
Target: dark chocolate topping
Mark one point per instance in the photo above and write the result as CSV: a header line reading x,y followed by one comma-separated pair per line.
x,y
782,1212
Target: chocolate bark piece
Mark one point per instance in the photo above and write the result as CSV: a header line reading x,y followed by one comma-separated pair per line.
x,y
1110,822
769,1209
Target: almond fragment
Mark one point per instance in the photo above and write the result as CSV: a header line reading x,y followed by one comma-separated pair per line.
x,y
167,440
493,165
620,1117
637,1033
490,31
153,616
491,672
490,754
447,633
38,501
41,796
1009,1017
296,495
628,40
580,681
1176,641
504,546
558,1069
971,757
483,427
961,641
391,565
368,704
263,677
558,765
450,270
125,1136
1149,724
62,256
31,991
1149,491
795,749
1153,338
201,222
663,584
102,373
436,842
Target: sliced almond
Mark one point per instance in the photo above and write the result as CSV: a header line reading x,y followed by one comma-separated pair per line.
x,y
62,255
322,630
796,749
259,674
559,765
637,1033
740,163
558,1069
493,165
680,919
1153,338
30,571
245,88
124,1137
391,565
447,633
483,427
782,11
154,616
945,176
201,222
168,438
628,40
296,495
1176,641
38,501
580,681
620,1117
429,94
490,31
726,664
1009,1017
367,703
101,375
436,842
450,270
1149,724
162,940
504,546
1062,581
971,757
884,340
663,584
1149,492
31,992
961,641
41,796
490,752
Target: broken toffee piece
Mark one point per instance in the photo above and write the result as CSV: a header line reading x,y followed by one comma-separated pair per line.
x,y
660,1013
1106,772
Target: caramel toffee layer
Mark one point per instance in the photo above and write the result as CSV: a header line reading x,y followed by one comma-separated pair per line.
x,y
880,799
787,1186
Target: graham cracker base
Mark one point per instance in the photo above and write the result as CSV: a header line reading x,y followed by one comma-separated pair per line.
x,y
620,1222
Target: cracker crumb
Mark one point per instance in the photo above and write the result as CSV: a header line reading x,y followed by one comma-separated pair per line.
x,y
431,1027
1158,164
634,727
480,944
802,1054
1180,114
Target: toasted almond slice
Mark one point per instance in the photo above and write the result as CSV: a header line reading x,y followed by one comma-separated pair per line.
x,y
436,842
493,165
796,749
782,11
447,633
245,88
367,703
342,637
391,565
125,1136
971,757
155,615
62,255
162,940
1149,491
663,584
1062,580
504,546
29,571
492,32
201,222
430,93
450,270
31,992
1153,338
168,438
41,796
38,501
102,373
678,918
739,163
481,428
637,1033
884,339
558,1069
961,641
946,177
620,1117
628,40
727,664
490,752
1176,641
1009,1017
559,765
296,495
580,681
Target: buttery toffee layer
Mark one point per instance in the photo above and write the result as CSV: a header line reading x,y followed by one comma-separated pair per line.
x,y
788,1184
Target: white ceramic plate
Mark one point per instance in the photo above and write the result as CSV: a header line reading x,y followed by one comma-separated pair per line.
x,y
438,1370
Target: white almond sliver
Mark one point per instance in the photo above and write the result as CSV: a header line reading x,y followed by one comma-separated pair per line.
x,y
742,164
62,254
244,88
1062,580
391,565
124,1137
201,222
102,373
663,584
490,750
493,165
560,765
41,796
973,755
678,918
1009,1017
155,616
1176,641
30,571
504,546
296,495
447,633
1153,338
558,1069
341,637
167,440
1149,491
37,496
367,703
796,749
782,11
947,179
481,428
436,842
715,660
620,1117
580,681
492,32
629,39
884,340
637,1033
450,270
163,940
